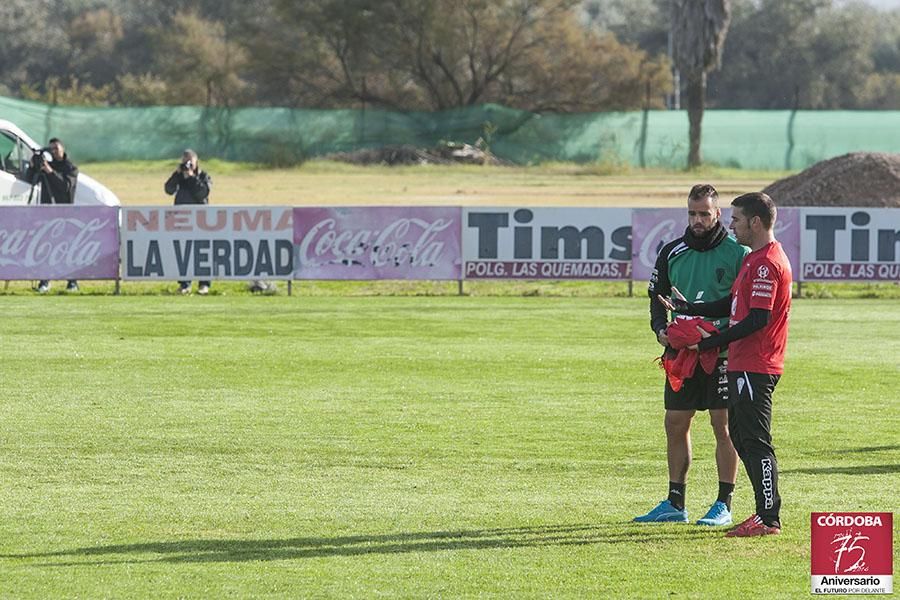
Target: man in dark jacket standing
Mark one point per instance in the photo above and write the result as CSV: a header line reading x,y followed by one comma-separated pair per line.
x,y
58,178
191,185
703,264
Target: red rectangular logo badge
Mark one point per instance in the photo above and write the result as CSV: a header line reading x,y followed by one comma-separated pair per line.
x,y
852,553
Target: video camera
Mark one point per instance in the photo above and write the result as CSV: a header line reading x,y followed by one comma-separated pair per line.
x,y
41,156
186,165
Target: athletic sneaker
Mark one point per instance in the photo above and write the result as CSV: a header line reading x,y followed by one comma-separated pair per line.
x,y
203,290
664,513
717,515
751,527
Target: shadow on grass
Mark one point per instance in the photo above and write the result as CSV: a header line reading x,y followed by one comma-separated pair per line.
x,y
854,470
867,449
212,550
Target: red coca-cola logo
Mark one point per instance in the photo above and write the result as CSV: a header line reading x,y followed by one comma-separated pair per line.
x,y
403,242
60,241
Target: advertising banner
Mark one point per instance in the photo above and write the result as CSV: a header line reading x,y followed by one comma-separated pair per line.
x,y
861,244
654,227
547,243
59,242
205,242
378,242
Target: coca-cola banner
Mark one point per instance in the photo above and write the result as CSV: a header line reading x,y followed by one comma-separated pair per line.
x,y
206,242
379,242
653,227
547,243
59,242
861,244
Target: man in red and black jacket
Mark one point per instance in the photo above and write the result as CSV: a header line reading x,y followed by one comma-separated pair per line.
x,y
760,306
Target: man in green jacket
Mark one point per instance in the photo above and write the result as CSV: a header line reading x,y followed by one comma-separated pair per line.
x,y
702,264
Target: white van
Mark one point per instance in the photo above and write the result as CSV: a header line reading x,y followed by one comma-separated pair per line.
x,y
16,150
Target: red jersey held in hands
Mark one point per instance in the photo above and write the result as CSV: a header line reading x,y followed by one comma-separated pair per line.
x,y
764,281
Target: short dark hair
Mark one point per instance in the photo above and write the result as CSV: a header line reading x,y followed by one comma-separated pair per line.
x,y
56,141
704,190
757,204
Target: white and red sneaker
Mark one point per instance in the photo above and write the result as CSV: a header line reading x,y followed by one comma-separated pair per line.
x,y
753,526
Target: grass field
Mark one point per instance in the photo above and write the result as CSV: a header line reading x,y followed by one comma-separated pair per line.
x,y
157,446
329,183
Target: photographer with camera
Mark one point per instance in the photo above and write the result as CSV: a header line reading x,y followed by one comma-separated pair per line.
x,y
190,185
51,168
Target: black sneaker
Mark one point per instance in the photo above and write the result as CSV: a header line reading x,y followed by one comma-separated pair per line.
x,y
72,286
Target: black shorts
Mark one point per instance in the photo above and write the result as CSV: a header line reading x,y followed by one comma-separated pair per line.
x,y
702,391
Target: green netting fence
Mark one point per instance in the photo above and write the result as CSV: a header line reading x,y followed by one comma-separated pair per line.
x,y
745,139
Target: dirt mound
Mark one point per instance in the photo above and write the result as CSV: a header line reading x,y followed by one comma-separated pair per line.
x,y
444,154
855,179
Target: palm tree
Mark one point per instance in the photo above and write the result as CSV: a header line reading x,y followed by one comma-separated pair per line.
x,y
698,34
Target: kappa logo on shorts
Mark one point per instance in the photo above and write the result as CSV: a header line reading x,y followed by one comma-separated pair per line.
x,y
740,385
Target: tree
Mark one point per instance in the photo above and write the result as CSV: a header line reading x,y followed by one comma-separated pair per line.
x,y
94,37
809,54
768,53
698,34
441,54
459,51
198,62
608,75
317,53
644,23
31,37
